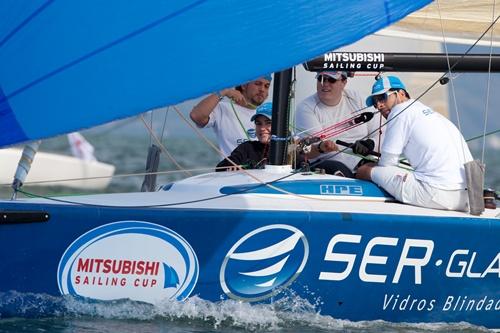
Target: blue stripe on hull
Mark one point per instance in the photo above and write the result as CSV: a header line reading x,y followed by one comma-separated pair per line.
x,y
362,266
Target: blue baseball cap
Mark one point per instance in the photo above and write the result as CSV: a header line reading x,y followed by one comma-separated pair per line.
x,y
265,110
383,85
268,77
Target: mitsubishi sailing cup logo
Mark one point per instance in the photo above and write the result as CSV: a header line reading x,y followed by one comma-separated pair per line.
x,y
129,259
263,262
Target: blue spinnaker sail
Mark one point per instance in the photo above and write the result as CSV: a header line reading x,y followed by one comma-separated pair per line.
x,y
68,65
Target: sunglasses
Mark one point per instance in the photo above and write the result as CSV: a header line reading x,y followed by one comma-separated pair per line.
x,y
321,79
382,97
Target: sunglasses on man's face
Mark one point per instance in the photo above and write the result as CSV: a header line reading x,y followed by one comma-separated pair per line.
x,y
382,97
321,79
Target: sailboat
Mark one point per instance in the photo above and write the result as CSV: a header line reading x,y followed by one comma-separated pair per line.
x,y
342,244
81,171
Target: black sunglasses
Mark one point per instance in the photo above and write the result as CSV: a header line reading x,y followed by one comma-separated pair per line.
x,y
323,78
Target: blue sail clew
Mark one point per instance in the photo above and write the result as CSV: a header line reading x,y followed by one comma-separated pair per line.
x,y
68,65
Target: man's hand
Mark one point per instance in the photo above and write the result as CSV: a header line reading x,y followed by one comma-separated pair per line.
x,y
363,147
328,146
365,171
235,95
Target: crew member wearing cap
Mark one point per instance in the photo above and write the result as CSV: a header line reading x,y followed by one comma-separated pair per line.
x,y
229,111
330,105
431,143
255,154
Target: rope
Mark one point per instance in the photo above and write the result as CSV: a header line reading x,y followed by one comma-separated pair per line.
x,y
488,87
114,176
162,147
425,91
239,120
453,94
483,135
164,124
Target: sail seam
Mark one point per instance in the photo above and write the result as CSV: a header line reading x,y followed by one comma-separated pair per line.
x,y
26,21
106,47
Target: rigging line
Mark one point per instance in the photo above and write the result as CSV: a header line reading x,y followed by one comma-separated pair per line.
x,y
162,147
453,93
105,47
452,79
483,135
164,123
114,176
239,120
207,141
423,93
292,112
249,174
25,21
375,130
488,87
126,207
307,131
268,184
242,191
151,126
219,151
260,183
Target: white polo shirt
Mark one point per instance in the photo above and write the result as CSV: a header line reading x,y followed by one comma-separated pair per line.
x,y
228,129
313,116
431,143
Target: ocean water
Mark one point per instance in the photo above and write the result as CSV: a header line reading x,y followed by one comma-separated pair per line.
x,y
125,145
43,313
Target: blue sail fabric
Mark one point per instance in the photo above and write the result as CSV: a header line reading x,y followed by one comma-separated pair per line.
x,y
68,65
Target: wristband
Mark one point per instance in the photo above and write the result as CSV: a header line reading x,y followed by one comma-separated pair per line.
x,y
219,96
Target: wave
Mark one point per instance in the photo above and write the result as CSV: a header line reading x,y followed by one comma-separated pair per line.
x,y
288,314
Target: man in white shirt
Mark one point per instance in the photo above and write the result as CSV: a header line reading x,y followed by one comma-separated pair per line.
x,y
431,143
330,105
229,111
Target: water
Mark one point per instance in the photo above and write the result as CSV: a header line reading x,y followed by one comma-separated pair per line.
x,y
43,313
125,144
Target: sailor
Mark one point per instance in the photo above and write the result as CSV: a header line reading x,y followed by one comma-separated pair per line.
x,y
330,105
255,154
431,143
229,111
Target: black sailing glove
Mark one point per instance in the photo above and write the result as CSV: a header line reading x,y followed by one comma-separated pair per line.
x,y
363,147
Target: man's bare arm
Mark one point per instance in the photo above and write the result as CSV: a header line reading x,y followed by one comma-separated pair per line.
x,y
201,112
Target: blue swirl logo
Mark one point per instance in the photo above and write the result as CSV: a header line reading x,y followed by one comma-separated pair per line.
x,y
263,262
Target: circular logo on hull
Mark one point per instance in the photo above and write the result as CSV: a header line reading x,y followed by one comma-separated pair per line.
x,y
263,262
129,259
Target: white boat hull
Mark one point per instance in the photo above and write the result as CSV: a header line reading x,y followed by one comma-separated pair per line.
x,y
54,170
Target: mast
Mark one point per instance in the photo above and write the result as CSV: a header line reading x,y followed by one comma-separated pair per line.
x,y
279,131
403,62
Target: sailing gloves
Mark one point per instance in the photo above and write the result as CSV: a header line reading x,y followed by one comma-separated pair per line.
x,y
363,147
